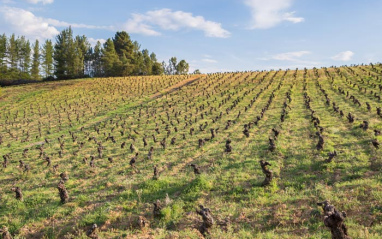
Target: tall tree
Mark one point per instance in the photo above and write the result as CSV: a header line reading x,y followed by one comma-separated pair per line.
x,y
110,59
60,55
13,53
79,58
124,48
64,55
148,63
157,69
35,71
182,68
137,59
172,63
153,57
165,68
97,60
73,57
139,64
83,51
3,55
24,57
47,58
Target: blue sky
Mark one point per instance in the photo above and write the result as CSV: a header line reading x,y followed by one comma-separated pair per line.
x,y
216,35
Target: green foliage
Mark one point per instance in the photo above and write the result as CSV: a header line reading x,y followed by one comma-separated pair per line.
x,y
124,49
196,72
182,68
98,216
111,63
63,54
200,184
14,58
47,56
35,71
3,54
97,58
171,214
82,200
73,57
175,68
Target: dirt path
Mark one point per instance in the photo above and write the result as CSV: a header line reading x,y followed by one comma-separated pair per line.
x,y
170,89
176,87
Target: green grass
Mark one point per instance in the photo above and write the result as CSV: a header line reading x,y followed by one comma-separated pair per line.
x,y
114,195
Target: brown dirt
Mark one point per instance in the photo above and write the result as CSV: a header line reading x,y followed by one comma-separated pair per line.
x,y
175,87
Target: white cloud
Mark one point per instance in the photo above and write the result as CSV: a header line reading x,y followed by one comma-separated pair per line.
x,y
137,25
269,13
26,23
93,41
343,56
207,60
167,19
58,23
290,60
42,1
290,56
23,22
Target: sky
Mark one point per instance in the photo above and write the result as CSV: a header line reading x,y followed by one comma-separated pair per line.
x,y
216,35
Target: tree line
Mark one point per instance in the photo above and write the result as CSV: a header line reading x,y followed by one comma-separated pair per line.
x,y
71,57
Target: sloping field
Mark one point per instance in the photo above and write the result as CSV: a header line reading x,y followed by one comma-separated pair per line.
x,y
99,133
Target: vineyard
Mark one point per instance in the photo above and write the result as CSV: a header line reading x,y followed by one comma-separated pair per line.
x,y
225,155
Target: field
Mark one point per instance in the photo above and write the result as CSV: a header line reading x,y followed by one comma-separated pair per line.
x,y
92,129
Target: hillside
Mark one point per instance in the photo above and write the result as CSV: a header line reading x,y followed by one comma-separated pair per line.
x,y
58,127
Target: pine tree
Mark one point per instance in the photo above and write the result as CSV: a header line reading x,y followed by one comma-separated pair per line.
x,y
153,57
110,61
83,54
97,60
35,71
24,57
139,65
148,64
157,69
124,48
72,58
18,56
79,58
47,55
60,55
12,54
89,62
64,55
3,55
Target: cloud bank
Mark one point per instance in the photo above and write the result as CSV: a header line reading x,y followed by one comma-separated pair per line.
x,y
40,1
166,19
343,56
269,13
23,22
